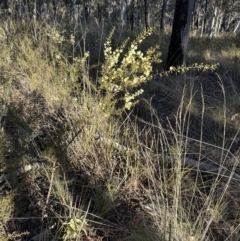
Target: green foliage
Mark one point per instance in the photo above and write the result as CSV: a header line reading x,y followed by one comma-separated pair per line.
x,y
6,210
123,74
74,227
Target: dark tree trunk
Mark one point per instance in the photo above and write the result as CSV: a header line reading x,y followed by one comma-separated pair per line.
x,y
4,4
146,14
132,15
180,33
99,13
54,9
163,15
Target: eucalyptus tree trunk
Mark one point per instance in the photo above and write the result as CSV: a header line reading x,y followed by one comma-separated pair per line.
x,y
146,13
54,6
110,10
35,12
44,11
214,20
180,33
204,12
137,15
74,11
194,22
132,9
236,29
219,23
99,13
163,15
124,11
196,15
85,13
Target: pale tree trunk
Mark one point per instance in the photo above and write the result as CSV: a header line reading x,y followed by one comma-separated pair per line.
x,y
180,33
215,20
35,12
219,23
48,10
35,18
213,23
232,19
195,16
74,11
204,12
110,10
45,13
163,15
124,12
236,29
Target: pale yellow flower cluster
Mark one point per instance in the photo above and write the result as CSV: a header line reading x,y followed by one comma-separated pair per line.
x,y
58,38
125,73
197,66
129,98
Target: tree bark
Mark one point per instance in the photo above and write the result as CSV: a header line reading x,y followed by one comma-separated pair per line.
x,y
137,15
213,26
146,14
124,12
163,15
236,29
132,6
54,9
4,4
35,12
204,10
180,33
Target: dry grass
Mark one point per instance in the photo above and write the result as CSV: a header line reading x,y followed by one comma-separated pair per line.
x,y
96,176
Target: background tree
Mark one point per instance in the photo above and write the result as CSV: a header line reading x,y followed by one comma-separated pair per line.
x,y
163,15
146,13
180,33
210,17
